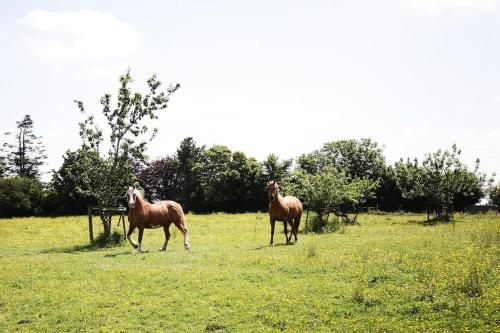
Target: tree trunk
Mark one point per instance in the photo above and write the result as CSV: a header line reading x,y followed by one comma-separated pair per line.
x,y
105,219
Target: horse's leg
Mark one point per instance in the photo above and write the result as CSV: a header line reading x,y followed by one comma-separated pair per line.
x,y
296,225
285,230
186,237
273,222
182,227
167,236
129,233
141,231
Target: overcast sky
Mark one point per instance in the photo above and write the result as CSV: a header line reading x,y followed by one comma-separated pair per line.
x,y
264,76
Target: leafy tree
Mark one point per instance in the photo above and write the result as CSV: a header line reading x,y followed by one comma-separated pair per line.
x,y
273,169
333,191
2,166
160,180
128,138
440,180
473,189
494,195
231,181
20,196
25,156
390,197
249,194
71,188
356,158
190,159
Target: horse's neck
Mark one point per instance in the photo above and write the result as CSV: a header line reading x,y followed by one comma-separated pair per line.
x,y
140,202
279,202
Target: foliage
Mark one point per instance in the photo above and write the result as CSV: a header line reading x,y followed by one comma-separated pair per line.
x,y
206,180
20,196
333,191
25,156
409,277
494,195
191,160
441,180
273,169
128,138
71,188
2,166
357,159
160,180
231,181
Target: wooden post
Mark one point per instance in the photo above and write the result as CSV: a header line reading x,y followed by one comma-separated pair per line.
x,y
123,222
91,229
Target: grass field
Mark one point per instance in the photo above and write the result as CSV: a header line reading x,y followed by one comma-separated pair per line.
x,y
391,273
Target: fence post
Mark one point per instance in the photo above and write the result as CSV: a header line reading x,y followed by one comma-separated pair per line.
x,y
91,229
123,222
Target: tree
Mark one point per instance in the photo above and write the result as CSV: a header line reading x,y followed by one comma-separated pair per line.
x,y
333,191
273,169
160,180
2,166
494,195
440,180
190,159
20,196
231,181
356,158
127,124
27,154
71,187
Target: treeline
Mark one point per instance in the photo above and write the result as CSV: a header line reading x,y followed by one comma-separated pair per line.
x,y
217,179
344,175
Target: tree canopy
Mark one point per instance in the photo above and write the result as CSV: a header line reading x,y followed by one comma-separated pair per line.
x,y
129,135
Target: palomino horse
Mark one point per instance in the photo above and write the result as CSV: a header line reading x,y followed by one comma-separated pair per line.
x,y
285,209
143,215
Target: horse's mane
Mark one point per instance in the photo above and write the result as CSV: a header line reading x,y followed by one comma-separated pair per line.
x,y
138,193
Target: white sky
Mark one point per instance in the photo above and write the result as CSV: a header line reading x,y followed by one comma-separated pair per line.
x,y
264,76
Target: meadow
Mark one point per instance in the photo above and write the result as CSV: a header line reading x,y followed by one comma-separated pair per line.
x,y
390,273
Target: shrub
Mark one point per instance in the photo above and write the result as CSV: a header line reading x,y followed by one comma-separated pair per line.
x,y
20,196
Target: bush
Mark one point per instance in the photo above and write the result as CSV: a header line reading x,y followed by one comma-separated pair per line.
x,y
318,225
20,196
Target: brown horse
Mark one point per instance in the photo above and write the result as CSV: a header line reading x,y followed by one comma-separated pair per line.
x,y
143,215
285,209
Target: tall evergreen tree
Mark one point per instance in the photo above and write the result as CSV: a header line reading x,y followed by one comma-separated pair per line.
x,y
25,156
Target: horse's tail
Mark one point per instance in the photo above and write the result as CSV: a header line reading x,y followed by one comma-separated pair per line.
x,y
184,227
184,221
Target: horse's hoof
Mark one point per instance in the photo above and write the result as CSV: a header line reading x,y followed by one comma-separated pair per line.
x,y
162,250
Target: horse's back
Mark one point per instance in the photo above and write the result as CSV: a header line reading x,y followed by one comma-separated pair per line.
x,y
292,201
294,205
170,210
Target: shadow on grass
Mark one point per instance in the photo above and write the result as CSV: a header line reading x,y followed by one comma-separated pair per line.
x,y
100,243
431,222
270,246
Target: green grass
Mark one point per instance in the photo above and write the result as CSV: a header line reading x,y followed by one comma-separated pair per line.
x,y
392,273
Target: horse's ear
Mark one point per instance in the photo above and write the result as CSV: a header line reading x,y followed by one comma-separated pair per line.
x,y
274,182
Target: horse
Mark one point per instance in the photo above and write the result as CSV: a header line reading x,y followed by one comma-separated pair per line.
x,y
143,215
285,209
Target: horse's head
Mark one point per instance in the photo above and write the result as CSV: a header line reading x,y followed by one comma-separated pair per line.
x,y
272,190
131,196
